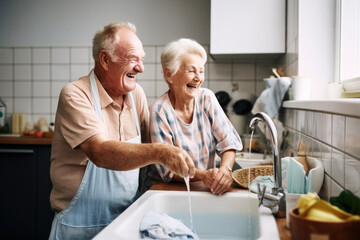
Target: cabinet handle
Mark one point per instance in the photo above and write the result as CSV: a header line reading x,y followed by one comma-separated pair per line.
x,y
30,151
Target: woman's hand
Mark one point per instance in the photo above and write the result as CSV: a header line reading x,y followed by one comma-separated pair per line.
x,y
218,180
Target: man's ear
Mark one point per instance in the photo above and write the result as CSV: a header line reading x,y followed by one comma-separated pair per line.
x,y
167,75
104,59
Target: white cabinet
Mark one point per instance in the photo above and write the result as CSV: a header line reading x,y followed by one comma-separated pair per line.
x,y
241,27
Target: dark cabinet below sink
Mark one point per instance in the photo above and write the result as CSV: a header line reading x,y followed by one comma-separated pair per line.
x,y
25,188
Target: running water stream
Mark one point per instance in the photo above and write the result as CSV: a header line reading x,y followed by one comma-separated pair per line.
x,y
249,211
187,182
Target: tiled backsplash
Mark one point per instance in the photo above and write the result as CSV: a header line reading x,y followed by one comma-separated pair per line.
x,y
333,139
31,77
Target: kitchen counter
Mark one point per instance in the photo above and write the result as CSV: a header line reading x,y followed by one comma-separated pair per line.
x,y
25,140
284,233
343,106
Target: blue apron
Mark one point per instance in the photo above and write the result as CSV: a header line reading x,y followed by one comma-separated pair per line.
x,y
102,195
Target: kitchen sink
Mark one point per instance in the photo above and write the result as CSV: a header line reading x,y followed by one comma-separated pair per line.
x,y
235,215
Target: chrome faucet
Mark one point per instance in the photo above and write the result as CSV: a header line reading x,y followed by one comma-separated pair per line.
x,y
276,201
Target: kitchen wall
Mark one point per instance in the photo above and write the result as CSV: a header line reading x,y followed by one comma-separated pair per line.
x,y
73,23
331,138
31,77
46,44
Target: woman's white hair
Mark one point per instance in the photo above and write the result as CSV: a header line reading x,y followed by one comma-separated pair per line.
x,y
107,38
173,53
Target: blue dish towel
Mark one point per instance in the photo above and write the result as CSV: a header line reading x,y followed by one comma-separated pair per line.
x,y
271,98
161,226
298,182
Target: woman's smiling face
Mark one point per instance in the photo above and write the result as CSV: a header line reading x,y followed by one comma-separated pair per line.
x,y
188,79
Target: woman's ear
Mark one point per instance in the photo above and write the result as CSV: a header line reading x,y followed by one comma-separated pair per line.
x,y
167,75
104,60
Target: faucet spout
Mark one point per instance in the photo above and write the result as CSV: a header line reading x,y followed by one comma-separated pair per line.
x,y
277,193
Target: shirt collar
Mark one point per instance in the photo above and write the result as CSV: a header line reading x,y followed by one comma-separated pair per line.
x,y
105,99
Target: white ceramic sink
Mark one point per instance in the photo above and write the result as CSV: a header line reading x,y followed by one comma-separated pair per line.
x,y
235,215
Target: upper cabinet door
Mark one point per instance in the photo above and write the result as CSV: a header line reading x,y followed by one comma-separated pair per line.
x,y
247,27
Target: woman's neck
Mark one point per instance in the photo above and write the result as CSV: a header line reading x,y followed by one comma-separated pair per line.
x,y
184,108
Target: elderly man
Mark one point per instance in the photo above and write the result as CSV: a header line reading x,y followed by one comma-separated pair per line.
x,y
100,122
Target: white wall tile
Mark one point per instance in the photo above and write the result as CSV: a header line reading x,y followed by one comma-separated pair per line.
x,y
41,55
150,56
22,89
41,72
9,102
6,89
352,174
22,105
326,188
259,87
327,127
149,73
326,158
336,189
291,117
316,150
318,125
159,49
41,105
246,86
149,87
78,70
6,72
6,55
161,87
53,105
338,131
60,55
205,84
91,59
22,55
41,89
216,86
79,55
56,88
219,71
263,71
352,138
60,72
159,72
300,120
244,71
337,166
309,122
35,117
52,118
22,72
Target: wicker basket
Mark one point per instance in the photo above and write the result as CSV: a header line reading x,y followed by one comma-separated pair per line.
x,y
241,176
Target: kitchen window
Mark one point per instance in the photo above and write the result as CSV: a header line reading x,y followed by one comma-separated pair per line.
x,y
348,46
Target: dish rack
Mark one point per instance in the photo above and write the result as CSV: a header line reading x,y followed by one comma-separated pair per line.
x,y
241,176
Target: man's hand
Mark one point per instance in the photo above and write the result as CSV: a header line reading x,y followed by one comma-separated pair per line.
x,y
176,160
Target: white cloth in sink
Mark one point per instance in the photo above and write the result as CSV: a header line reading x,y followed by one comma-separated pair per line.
x,y
161,226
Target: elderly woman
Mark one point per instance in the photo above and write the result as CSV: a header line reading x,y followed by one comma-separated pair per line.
x,y
191,118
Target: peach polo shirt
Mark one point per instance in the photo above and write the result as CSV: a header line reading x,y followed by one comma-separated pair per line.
x,y
76,121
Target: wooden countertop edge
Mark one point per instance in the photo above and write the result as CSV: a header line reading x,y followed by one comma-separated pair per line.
x,y
284,232
25,140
